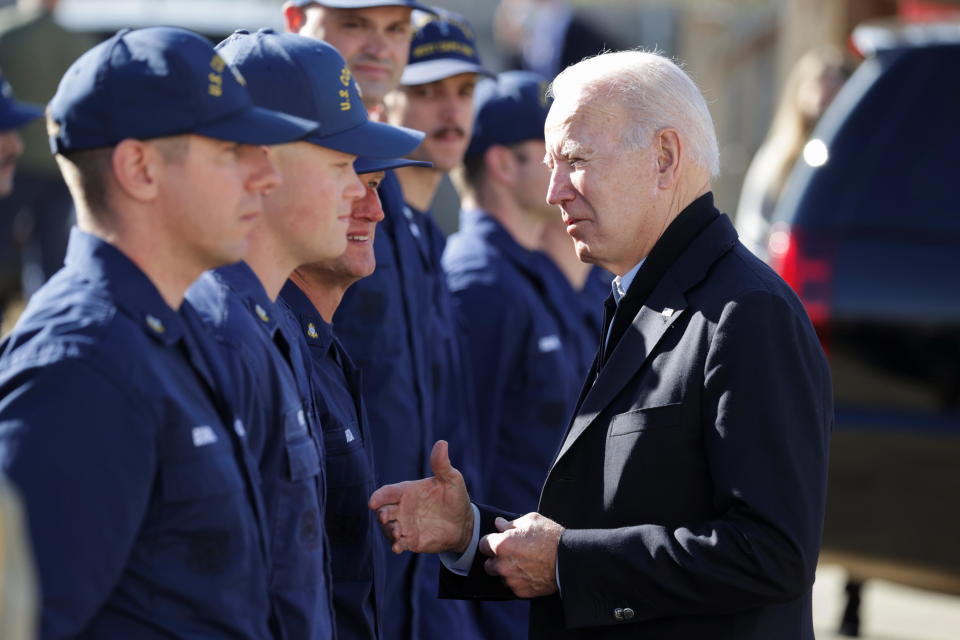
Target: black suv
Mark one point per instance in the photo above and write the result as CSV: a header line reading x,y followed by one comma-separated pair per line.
x,y
868,234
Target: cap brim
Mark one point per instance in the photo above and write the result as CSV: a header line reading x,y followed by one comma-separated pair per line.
x,y
370,165
366,4
433,70
372,140
17,114
259,126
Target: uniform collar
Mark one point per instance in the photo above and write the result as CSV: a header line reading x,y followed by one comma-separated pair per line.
x,y
244,282
485,225
317,331
131,290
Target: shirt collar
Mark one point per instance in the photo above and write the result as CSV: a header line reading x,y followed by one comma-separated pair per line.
x,y
244,282
317,331
490,228
131,289
621,284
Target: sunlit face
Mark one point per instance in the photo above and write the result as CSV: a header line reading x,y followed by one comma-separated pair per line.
x,y
443,110
375,42
606,193
11,147
213,198
358,261
308,215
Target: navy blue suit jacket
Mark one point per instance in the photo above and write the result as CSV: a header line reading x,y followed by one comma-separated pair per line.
x,y
692,477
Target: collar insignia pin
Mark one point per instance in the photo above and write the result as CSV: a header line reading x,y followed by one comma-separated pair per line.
x,y
155,325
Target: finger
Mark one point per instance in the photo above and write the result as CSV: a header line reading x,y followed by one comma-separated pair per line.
x,y
502,524
387,494
490,567
389,513
440,461
490,543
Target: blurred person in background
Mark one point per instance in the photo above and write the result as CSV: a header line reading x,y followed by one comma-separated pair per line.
x,y
13,116
18,582
34,222
811,86
546,36
384,320
579,289
525,374
436,97
18,591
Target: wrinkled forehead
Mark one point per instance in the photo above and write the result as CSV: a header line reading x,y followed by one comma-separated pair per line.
x,y
582,118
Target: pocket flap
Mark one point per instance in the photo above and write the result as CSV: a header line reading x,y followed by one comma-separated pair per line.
x,y
646,419
303,458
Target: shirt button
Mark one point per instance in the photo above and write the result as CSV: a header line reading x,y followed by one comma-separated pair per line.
x,y
261,313
628,613
618,614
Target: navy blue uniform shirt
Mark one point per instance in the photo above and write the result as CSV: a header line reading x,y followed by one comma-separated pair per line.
x,y
357,547
579,313
141,498
526,378
454,420
260,365
382,322
451,378
525,384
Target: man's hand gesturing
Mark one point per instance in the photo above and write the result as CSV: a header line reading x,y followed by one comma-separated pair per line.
x,y
431,515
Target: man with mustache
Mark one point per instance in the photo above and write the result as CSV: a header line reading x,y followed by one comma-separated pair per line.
x,y
524,362
436,97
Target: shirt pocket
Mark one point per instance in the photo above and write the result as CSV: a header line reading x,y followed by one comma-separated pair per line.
x,y
646,419
346,457
297,527
208,519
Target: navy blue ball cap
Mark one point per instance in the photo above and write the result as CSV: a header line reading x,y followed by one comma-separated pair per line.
x,y
308,78
155,82
371,165
13,113
363,4
510,108
444,44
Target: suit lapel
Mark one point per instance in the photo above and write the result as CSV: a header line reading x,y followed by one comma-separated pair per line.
x,y
666,303
664,306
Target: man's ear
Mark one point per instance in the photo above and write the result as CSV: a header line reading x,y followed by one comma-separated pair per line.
x,y
501,164
669,150
136,169
293,17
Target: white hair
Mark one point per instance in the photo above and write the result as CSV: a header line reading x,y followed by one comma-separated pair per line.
x,y
656,92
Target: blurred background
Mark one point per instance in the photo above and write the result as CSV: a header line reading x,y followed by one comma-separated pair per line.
x,y
839,126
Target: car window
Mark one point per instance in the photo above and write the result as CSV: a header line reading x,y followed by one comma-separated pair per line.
x,y
893,154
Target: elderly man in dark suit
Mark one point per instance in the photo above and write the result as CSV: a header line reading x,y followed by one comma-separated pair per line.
x,y
686,498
